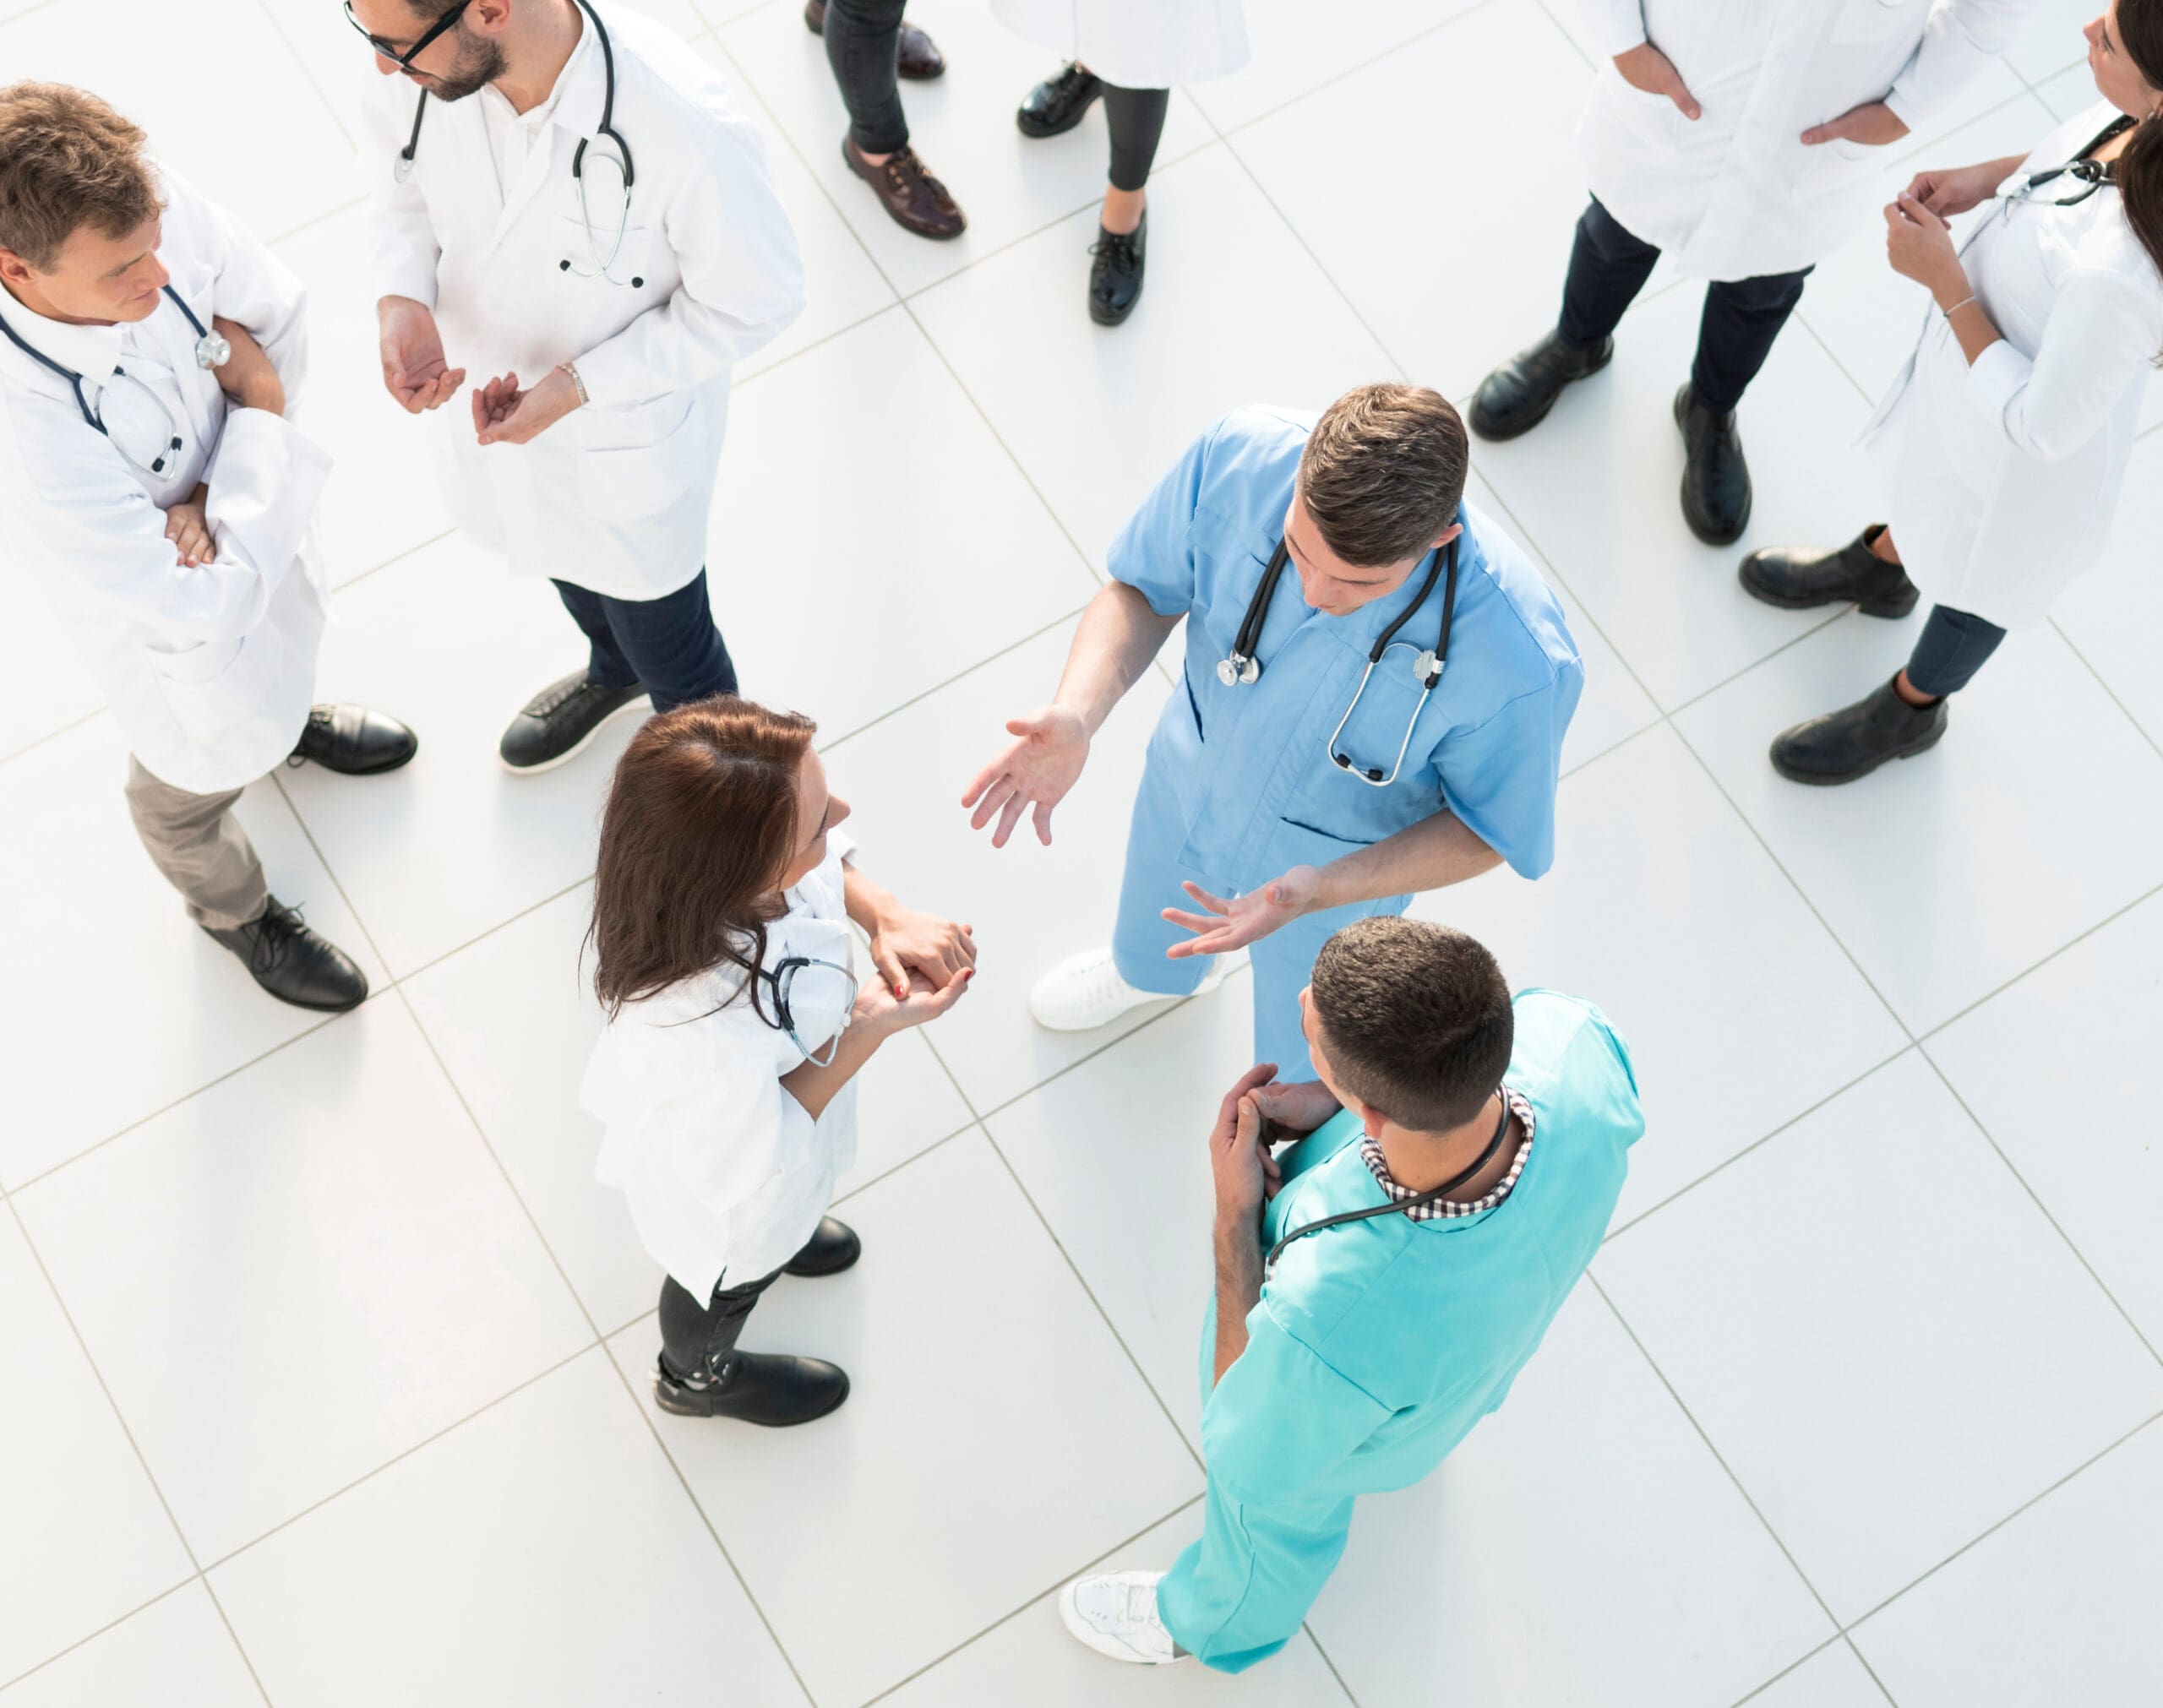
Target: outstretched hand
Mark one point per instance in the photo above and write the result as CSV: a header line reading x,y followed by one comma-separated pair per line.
x,y
1032,774
1234,923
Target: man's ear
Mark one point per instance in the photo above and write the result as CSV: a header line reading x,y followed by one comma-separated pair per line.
x,y
1371,1117
14,268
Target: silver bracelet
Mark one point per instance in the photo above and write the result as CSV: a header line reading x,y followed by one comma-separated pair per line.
x,y
579,385
1949,314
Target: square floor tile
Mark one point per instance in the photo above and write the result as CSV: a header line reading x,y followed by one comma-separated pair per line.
x,y
439,852
1946,874
860,480
1030,1658
85,1538
1596,489
49,687
1452,262
2053,42
1832,1678
2106,611
1030,904
961,126
1237,312
1888,1344
543,1553
132,1006
2058,1607
929,1489
1298,47
175,1653
2060,1070
1662,908
299,1274
1520,1572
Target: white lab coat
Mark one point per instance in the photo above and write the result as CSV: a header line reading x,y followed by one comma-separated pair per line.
x,y
208,671
614,496
2008,473
725,1173
1736,193
1137,44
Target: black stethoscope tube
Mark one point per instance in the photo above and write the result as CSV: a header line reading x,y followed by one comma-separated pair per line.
x,y
1245,667
75,380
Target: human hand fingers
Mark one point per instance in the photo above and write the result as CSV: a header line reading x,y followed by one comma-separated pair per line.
x,y
890,968
1228,1108
996,771
1041,818
1678,91
993,794
1016,803
1215,904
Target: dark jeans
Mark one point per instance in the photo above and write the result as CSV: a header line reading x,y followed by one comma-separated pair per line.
x,y
669,644
864,45
1954,646
1608,266
1137,117
694,1339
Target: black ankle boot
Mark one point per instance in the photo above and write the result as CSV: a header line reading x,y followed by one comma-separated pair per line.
x,y
1115,274
1516,397
1798,577
1856,740
766,1388
1715,479
832,1248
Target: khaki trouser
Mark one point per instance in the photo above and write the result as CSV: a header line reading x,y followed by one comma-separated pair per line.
x,y
199,844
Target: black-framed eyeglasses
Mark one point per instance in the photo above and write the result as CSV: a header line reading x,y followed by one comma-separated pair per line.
x,y
404,61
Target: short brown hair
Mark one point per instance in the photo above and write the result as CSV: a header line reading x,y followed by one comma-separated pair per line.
x,y
67,159
1383,473
1415,1019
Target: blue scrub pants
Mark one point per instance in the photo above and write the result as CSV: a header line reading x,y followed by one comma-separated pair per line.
x,y
1282,961
1239,1594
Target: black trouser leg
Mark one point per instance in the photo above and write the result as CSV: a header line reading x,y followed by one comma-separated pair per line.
x,y
1735,334
695,1338
671,646
1136,118
864,45
606,665
1608,267
1951,647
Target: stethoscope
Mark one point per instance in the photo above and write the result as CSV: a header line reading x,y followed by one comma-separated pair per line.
x,y
1241,667
210,351
1494,1150
402,168
783,978
2093,174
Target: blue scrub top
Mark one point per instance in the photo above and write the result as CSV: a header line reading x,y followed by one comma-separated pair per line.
x,y
1376,1346
1257,792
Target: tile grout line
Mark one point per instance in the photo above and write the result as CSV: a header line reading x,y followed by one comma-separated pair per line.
x,y
111,1625
2106,688
307,74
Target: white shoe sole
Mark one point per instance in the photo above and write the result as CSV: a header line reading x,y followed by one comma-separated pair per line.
x,y
643,705
1219,973
1090,1638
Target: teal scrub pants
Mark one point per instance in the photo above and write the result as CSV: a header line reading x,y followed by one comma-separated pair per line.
x,y
1239,1595
1282,961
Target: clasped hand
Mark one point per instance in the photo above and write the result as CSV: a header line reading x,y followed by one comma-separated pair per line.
x,y
1919,246
1256,1114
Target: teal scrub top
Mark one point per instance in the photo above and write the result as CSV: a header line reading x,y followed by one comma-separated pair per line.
x,y
1376,1346
1257,792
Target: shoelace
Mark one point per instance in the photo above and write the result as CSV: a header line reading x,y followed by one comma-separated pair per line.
x,y
902,165
274,933
1119,246
318,722
554,699
1069,79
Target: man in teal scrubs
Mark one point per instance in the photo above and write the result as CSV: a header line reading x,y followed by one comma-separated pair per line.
x,y
1476,1146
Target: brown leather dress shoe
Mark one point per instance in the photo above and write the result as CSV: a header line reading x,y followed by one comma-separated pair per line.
x,y
918,201
920,58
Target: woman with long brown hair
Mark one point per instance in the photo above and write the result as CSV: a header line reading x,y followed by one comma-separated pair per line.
x,y
2012,422
726,1078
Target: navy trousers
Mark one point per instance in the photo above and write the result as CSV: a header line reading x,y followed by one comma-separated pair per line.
x,y
668,644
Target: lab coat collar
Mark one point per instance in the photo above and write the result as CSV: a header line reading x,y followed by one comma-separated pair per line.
x,y
92,352
573,106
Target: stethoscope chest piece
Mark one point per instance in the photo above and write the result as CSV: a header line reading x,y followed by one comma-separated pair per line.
x,y
1236,670
1427,668
212,351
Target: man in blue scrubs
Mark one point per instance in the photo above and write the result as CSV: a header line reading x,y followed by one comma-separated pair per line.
x,y
1281,799
1474,1148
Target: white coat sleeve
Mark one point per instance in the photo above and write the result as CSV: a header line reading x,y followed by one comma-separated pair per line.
x,y
403,251
1612,26
2103,329
248,283
92,515
1960,39
743,280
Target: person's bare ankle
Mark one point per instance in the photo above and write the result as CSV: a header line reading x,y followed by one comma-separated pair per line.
x,y
1122,212
1883,548
1911,694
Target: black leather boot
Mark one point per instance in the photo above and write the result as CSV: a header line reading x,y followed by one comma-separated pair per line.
x,y
1715,479
1058,103
355,741
1797,578
771,1388
832,1248
1856,740
1516,397
293,963
1115,274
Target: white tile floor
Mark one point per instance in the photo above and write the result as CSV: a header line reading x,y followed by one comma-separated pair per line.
x,y
321,1360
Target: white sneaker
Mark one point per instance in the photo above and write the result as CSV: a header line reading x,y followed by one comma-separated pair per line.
x,y
1115,1614
1084,992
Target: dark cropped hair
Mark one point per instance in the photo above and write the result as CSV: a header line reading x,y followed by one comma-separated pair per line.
x,y
2140,167
1415,1019
1383,473
698,832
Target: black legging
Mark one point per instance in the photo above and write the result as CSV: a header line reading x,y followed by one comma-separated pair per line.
x,y
1954,645
696,1339
1137,117
864,45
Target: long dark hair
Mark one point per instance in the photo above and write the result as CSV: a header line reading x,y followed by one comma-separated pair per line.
x,y
698,829
2140,166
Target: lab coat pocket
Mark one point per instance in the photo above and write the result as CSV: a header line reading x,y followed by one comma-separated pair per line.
x,y
634,264
648,457
217,685
1652,120
1874,20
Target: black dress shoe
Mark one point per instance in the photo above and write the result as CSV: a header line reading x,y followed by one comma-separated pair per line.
x,y
769,1387
1516,397
832,1248
1796,579
1856,740
919,60
1058,103
354,741
293,964
1715,479
560,720
1115,274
